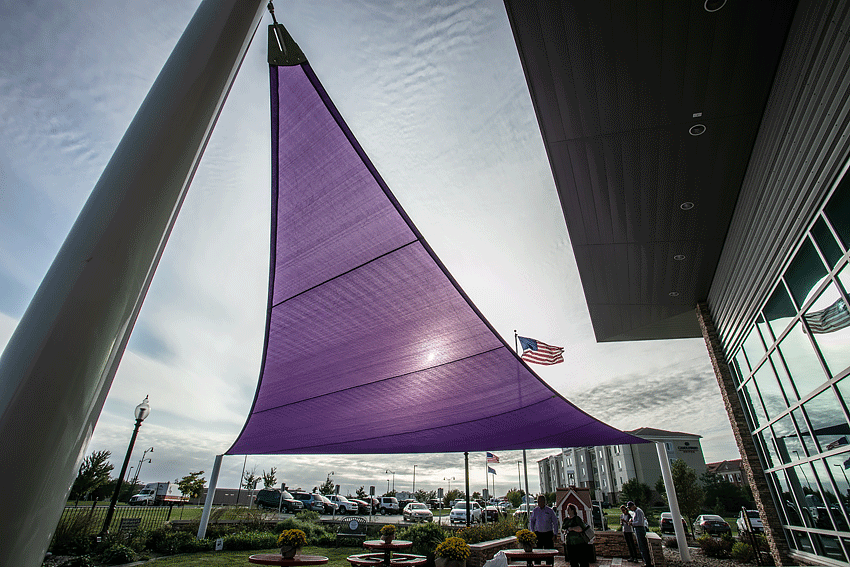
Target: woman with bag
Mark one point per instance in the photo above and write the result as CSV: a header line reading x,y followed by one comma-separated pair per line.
x,y
576,542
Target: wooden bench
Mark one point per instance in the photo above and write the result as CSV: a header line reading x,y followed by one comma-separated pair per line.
x,y
352,527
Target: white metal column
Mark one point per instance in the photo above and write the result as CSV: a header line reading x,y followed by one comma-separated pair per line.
x,y
58,366
208,502
681,538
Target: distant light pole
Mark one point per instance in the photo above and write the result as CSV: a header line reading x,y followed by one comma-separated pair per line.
x,y
141,412
141,462
414,481
393,473
450,482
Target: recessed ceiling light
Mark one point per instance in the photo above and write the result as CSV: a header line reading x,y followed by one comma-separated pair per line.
x,y
686,206
674,294
679,257
697,129
714,5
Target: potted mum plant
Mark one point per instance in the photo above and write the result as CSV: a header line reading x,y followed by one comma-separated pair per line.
x,y
526,539
291,542
388,533
453,552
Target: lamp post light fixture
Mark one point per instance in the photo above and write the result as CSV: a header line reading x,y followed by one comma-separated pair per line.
x,y
141,412
450,482
141,462
392,473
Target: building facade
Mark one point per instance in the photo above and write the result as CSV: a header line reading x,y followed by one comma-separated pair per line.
x,y
605,469
730,471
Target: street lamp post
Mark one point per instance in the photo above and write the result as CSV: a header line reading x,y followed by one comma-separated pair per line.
x,y
141,412
392,473
450,482
414,481
141,462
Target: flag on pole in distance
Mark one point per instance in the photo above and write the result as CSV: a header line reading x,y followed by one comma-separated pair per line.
x,y
491,458
539,352
491,470
837,443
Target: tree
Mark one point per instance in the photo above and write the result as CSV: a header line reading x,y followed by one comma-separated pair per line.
x,y
689,493
269,479
635,491
94,473
514,496
425,495
361,493
452,494
192,485
390,493
327,487
476,495
250,479
722,495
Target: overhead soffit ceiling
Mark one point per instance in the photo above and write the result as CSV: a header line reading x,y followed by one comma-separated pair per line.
x,y
617,88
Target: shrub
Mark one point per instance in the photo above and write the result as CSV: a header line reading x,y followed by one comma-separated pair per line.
x,y
79,561
307,516
486,532
743,552
117,554
716,547
292,538
671,543
250,540
453,548
72,537
169,541
425,537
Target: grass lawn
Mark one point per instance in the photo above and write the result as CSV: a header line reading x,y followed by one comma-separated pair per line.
x,y
336,557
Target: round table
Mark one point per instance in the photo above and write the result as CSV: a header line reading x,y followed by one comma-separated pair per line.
x,y
530,556
276,559
388,548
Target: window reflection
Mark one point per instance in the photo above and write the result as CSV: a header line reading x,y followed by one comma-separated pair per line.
x,y
742,364
830,498
826,242
812,507
771,455
837,210
838,466
784,380
829,321
828,546
801,541
751,401
753,347
771,395
829,425
779,310
802,361
788,444
804,272
789,502
805,434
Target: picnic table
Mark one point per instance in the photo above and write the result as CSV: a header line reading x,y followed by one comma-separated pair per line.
x,y
529,557
277,559
384,555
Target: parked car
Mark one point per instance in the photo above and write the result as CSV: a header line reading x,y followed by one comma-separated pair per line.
x,y
330,507
667,523
417,512
344,505
458,513
402,504
272,498
435,503
493,513
311,501
755,522
711,524
362,505
389,505
523,510
505,506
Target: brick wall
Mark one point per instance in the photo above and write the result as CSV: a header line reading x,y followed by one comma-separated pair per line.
x,y
613,544
484,551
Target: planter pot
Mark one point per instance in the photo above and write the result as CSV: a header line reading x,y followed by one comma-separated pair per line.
x,y
288,552
527,548
443,562
387,538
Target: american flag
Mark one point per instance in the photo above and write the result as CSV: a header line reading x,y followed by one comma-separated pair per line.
x,y
491,458
837,443
829,320
491,470
540,353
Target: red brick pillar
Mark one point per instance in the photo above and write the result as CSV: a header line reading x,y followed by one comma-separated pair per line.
x,y
746,446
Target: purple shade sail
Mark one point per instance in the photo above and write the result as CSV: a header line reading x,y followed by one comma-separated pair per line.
x,y
371,346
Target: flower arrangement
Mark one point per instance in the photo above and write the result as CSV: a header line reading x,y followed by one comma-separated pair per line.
x,y
388,530
526,538
292,538
453,548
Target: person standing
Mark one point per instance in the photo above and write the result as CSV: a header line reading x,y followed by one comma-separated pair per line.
x,y
628,533
577,549
543,521
639,525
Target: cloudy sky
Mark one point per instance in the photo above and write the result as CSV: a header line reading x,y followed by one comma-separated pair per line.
x,y
434,92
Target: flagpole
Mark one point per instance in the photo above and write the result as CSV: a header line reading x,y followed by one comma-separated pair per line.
x,y
516,343
525,467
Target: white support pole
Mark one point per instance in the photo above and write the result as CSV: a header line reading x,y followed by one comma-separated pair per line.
x,y
681,538
208,502
58,366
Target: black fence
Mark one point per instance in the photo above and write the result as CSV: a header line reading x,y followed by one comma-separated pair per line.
x,y
89,519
